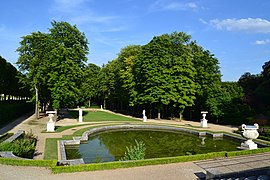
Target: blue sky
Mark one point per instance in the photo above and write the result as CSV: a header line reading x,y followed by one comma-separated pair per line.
x,y
237,32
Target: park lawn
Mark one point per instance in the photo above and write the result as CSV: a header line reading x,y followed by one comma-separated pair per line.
x,y
89,116
51,148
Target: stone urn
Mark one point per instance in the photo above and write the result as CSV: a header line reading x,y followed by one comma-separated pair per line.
x,y
249,132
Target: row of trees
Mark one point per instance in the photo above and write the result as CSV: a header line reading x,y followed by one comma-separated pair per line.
x,y
169,76
256,88
10,86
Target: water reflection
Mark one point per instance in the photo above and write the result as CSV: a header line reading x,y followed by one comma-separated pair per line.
x,y
111,146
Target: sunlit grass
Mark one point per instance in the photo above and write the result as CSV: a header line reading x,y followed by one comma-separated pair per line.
x,y
90,116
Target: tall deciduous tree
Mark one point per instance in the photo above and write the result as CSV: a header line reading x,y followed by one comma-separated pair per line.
x,y
90,85
207,79
164,73
33,62
52,63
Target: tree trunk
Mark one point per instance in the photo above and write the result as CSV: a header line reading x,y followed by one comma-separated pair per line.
x,y
104,103
37,109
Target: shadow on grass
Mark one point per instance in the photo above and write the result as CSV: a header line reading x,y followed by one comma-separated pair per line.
x,y
75,113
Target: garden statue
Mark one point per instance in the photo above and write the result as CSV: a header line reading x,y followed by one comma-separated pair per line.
x,y
80,116
50,124
203,120
144,116
249,132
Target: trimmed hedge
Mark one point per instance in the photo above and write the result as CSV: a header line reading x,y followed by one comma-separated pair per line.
x,y
126,164
28,162
247,152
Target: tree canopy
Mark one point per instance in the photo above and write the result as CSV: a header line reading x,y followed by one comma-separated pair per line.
x,y
166,75
9,81
53,62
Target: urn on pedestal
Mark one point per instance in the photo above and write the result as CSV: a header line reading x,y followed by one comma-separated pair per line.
x,y
204,120
249,132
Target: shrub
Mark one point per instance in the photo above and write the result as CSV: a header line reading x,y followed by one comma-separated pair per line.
x,y
136,152
24,147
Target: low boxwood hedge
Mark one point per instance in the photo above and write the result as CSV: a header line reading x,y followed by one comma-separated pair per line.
x,y
28,162
126,164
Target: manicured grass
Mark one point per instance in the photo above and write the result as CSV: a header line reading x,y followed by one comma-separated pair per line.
x,y
63,128
89,116
28,162
51,151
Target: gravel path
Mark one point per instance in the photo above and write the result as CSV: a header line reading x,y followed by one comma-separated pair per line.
x,y
183,171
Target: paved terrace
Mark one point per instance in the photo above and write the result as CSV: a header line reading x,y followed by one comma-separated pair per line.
x,y
188,170
237,167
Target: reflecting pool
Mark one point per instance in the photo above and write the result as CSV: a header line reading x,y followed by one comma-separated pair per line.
x,y
111,146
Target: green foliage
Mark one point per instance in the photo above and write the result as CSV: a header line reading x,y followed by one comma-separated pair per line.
x,y
9,82
225,103
90,86
24,147
246,152
169,73
53,62
256,88
30,162
164,72
90,116
51,151
136,152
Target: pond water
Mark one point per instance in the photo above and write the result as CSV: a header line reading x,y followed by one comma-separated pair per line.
x,y
111,146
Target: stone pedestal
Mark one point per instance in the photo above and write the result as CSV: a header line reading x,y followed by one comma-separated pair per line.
x,y
50,124
80,116
204,123
204,120
249,144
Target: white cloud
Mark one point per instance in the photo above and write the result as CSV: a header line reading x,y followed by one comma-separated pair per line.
x,y
251,25
163,5
262,42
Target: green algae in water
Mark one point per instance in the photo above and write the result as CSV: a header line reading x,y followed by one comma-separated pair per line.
x,y
111,146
